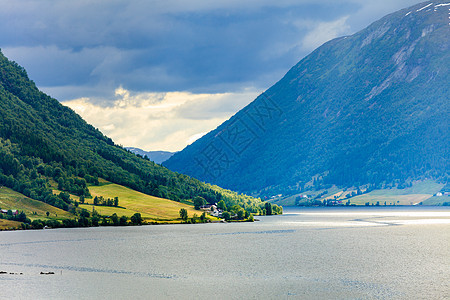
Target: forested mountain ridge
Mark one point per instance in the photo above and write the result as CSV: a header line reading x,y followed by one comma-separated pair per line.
x,y
42,141
367,109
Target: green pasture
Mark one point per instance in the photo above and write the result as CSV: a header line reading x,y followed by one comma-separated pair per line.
x,y
34,209
150,207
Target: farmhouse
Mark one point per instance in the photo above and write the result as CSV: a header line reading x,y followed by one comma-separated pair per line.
x,y
208,207
5,212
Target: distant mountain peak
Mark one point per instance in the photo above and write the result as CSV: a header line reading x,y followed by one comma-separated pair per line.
x,y
156,156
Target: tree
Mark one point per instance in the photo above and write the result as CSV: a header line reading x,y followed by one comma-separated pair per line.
x,y
37,224
84,222
203,217
226,215
64,196
268,207
278,210
104,221
240,214
136,219
115,219
84,213
221,205
116,201
194,219
123,220
21,217
183,214
60,183
95,220
198,202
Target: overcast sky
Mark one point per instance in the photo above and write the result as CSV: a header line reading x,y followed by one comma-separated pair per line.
x,y
158,74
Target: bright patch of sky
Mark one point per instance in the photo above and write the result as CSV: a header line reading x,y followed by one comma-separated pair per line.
x,y
159,74
163,120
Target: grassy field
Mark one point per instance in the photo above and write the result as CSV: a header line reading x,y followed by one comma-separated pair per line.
x,y
7,224
130,202
436,200
420,191
428,187
34,209
290,200
150,207
412,199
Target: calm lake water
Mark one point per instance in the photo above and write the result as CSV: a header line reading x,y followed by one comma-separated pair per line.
x,y
340,253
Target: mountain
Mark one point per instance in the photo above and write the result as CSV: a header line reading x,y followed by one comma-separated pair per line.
x,y
367,109
156,156
45,146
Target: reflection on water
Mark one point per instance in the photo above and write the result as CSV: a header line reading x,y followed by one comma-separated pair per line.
x,y
351,217
343,253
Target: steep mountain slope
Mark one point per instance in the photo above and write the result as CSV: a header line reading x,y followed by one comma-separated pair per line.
x,y
43,142
371,108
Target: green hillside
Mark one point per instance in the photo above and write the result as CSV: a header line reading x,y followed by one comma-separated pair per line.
x,y
34,209
150,207
43,142
9,225
367,109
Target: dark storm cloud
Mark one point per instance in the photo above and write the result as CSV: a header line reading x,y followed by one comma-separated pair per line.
x,y
73,47
158,74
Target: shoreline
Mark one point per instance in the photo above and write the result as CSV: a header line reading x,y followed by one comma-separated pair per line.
x,y
286,211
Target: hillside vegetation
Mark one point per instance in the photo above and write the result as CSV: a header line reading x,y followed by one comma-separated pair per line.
x,y
43,142
9,225
150,207
34,209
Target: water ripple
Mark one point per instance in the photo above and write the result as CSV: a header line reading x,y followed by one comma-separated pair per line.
x,y
48,241
95,270
256,232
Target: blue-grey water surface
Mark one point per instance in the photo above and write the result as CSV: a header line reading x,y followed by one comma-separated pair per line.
x,y
340,253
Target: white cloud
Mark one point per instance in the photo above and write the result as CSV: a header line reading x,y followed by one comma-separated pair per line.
x,y
160,121
322,32
195,137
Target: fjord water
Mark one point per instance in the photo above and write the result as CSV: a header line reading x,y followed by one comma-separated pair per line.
x,y
341,253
